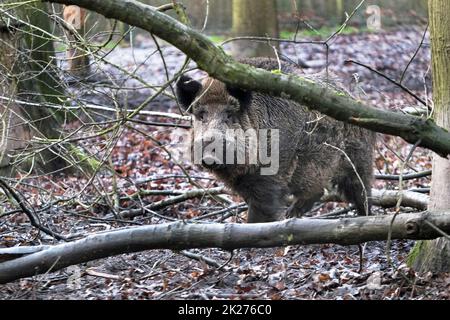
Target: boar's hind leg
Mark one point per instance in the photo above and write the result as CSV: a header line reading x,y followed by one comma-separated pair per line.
x,y
349,184
352,189
263,211
264,197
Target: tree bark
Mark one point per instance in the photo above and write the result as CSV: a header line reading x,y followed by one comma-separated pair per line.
x,y
257,18
42,63
389,199
435,255
32,77
78,59
340,10
220,16
222,67
183,235
14,131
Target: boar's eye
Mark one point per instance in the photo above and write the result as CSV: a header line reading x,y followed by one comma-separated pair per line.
x,y
201,115
229,116
244,97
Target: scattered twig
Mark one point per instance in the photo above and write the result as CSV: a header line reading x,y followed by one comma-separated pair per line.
x,y
228,261
415,54
99,274
239,296
406,177
200,258
223,211
33,220
334,214
390,80
171,201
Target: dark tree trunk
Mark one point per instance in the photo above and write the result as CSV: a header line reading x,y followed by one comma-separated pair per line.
x,y
254,18
31,77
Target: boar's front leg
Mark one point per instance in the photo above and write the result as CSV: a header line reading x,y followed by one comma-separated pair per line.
x,y
264,196
303,205
259,212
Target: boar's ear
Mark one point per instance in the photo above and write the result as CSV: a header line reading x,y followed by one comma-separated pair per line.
x,y
187,89
244,97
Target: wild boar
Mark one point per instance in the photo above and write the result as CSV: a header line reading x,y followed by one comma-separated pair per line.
x,y
309,152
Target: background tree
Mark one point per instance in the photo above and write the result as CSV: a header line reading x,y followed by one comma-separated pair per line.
x,y
31,77
77,57
41,64
12,123
435,255
220,14
254,18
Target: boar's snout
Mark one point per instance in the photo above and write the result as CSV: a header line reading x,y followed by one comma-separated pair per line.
x,y
213,149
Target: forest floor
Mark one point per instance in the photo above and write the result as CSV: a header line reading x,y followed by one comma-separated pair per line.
x,y
295,272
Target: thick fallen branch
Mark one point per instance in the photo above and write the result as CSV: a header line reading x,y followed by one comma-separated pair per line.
x,y
389,199
218,64
182,235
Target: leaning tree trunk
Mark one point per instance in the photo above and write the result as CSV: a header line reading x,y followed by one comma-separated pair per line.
x,y
14,133
40,63
30,77
77,56
220,15
435,255
254,18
